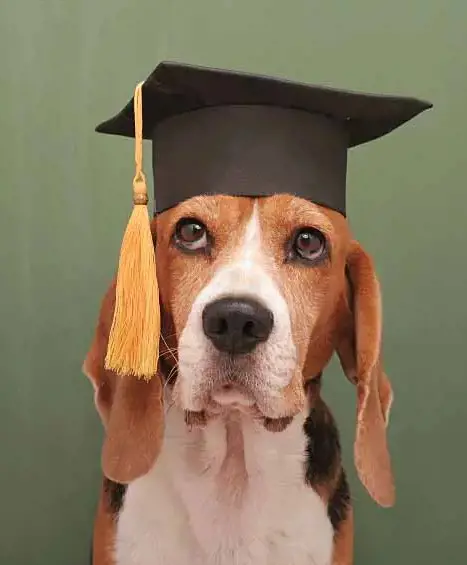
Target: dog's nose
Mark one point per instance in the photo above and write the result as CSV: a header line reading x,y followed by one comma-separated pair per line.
x,y
237,325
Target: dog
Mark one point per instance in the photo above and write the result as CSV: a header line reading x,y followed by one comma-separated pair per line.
x,y
231,456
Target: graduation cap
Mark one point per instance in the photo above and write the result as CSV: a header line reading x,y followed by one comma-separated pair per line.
x,y
222,132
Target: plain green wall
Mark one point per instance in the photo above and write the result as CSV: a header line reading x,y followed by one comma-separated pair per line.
x,y
65,198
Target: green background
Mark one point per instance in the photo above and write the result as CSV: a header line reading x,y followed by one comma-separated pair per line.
x,y
65,199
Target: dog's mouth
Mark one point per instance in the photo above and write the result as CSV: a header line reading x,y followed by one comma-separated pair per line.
x,y
230,388
228,400
200,419
232,395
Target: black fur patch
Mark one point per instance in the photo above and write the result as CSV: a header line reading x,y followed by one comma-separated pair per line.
x,y
339,504
115,494
323,460
323,447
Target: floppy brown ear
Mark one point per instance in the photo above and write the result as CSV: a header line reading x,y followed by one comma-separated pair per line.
x,y
131,409
359,350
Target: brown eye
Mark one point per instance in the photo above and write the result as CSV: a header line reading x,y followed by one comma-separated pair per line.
x,y
191,235
309,244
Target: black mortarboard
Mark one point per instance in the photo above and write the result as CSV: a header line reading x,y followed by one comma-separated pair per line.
x,y
218,131
223,132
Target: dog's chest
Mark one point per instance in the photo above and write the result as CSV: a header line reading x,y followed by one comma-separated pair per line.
x,y
230,495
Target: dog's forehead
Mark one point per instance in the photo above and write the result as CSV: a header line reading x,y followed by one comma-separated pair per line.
x,y
280,211
289,212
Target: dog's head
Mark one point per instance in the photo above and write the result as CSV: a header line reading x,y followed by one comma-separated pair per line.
x,y
256,296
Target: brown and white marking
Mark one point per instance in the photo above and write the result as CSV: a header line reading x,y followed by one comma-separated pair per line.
x,y
227,489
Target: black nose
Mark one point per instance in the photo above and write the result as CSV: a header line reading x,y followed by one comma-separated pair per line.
x,y
237,325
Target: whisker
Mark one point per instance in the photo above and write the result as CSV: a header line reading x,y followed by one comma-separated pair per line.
x,y
171,352
172,373
168,352
170,376
169,336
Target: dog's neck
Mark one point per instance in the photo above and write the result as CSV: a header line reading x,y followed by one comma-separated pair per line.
x,y
233,451
231,486
233,473
234,447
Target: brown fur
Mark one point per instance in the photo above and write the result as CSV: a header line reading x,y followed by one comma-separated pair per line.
x,y
347,311
128,408
344,542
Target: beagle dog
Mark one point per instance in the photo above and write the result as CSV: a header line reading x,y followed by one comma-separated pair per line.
x,y
231,456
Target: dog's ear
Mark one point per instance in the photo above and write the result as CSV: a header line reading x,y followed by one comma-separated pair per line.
x,y
359,350
131,409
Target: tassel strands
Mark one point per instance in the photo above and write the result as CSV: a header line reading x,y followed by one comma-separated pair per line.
x,y
133,347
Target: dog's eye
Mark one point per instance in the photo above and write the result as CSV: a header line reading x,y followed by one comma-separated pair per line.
x,y
191,234
309,244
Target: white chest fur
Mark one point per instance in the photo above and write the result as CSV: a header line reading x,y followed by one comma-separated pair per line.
x,y
233,494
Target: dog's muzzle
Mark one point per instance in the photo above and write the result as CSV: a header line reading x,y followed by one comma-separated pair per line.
x,y
237,325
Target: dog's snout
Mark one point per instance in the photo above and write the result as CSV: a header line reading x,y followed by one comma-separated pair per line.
x,y
237,325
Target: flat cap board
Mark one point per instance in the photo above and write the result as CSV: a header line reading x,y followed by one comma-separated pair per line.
x,y
219,131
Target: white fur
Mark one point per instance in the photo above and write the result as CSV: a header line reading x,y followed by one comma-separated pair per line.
x,y
271,366
184,513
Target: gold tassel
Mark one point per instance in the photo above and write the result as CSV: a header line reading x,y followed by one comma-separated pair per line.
x,y
133,347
